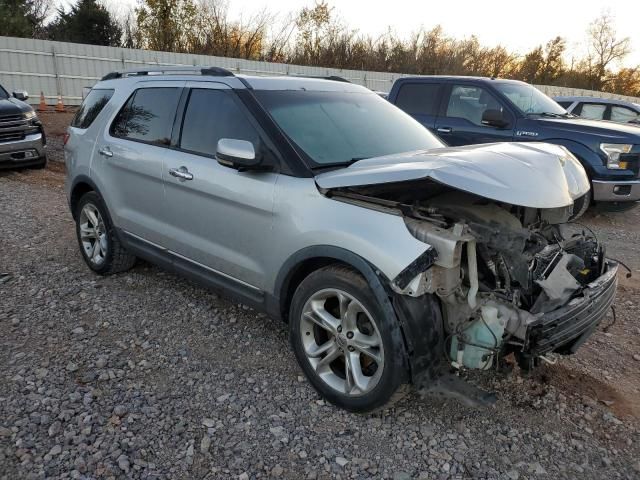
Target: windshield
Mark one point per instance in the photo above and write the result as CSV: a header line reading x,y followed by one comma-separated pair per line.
x,y
3,93
529,99
342,127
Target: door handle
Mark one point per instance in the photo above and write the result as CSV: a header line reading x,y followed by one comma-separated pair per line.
x,y
105,152
445,129
181,173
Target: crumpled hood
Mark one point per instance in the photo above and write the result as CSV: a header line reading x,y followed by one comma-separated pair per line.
x,y
536,175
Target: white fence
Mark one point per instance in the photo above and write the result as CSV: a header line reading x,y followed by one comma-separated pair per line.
x,y
59,68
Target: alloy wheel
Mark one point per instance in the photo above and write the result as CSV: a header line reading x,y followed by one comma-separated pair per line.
x,y
342,342
93,234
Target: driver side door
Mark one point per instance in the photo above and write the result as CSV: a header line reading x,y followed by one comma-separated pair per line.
x,y
220,218
460,122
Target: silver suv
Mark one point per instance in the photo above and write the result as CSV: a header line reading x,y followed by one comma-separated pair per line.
x,y
392,259
22,139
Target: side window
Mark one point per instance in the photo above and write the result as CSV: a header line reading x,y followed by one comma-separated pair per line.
x,y
419,98
211,115
564,105
148,116
470,103
91,107
593,111
623,114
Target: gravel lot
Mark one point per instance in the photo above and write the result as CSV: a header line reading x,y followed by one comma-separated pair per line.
x,y
145,375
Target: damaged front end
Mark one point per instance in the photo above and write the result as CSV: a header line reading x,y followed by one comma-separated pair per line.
x,y
509,279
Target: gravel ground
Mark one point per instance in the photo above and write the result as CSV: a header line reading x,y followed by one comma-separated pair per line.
x,y
145,375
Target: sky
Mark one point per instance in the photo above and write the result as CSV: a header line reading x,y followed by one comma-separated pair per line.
x,y
517,25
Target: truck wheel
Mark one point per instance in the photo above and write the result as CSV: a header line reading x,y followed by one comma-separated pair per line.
x,y
100,246
343,342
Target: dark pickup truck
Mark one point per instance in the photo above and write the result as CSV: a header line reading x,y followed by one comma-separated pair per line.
x,y
469,110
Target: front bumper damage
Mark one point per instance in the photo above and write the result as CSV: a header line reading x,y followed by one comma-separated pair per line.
x,y
564,330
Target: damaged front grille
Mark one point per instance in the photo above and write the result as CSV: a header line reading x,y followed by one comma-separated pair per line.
x,y
564,329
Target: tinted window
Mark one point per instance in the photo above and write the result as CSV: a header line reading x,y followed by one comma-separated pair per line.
x,y
470,103
564,105
210,116
3,93
91,107
419,98
623,114
593,111
148,115
340,127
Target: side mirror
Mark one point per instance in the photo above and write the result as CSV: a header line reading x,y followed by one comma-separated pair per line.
x,y
21,95
238,154
494,118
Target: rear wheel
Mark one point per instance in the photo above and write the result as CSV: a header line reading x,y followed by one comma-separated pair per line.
x,y
344,341
100,246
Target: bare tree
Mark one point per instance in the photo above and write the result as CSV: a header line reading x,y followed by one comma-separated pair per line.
x,y
605,48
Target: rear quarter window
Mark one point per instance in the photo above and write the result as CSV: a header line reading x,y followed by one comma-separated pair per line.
x,y
91,107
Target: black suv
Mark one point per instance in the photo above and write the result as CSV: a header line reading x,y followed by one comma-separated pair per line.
x,y
469,110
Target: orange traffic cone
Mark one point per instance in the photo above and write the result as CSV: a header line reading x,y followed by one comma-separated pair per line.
x,y
60,105
42,107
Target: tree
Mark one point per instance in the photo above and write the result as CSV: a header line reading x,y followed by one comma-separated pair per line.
x,y
24,18
166,25
543,66
604,48
86,22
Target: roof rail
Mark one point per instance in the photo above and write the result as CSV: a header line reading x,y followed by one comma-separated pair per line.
x,y
160,70
335,78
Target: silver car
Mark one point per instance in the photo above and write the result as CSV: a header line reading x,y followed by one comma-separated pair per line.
x,y
392,259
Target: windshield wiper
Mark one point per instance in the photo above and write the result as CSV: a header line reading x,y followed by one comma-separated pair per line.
x,y
549,114
339,164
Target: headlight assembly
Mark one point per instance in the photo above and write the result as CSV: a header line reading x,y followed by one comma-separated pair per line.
x,y
613,152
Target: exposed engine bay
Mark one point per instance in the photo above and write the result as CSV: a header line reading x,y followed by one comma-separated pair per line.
x,y
509,279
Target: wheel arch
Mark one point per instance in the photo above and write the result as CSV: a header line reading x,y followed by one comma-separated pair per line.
x,y
299,265
309,259
81,185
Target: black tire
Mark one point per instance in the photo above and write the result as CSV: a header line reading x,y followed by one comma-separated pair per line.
x,y
116,258
41,165
392,383
580,206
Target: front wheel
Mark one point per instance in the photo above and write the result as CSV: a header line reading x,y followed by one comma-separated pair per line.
x,y
347,347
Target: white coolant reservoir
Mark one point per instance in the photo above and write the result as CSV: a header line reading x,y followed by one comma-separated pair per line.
x,y
479,340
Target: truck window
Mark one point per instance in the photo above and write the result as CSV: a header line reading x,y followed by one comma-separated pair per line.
x,y
593,111
470,102
623,114
419,98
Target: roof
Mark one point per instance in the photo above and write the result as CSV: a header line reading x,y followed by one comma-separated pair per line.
x,y
460,77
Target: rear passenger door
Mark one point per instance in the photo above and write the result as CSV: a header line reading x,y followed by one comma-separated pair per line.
x,y
128,159
220,218
460,122
421,100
